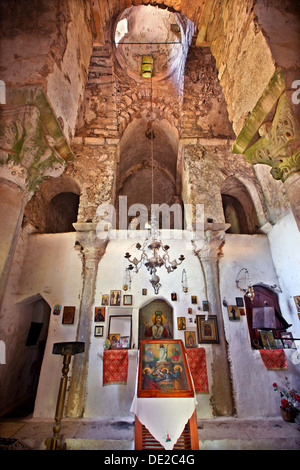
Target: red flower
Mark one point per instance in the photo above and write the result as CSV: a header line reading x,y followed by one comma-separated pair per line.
x,y
297,397
285,403
274,384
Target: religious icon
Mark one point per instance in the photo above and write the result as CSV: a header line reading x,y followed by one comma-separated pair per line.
x,y
194,299
181,323
98,330
115,342
173,296
205,306
297,303
148,319
190,339
99,314
56,309
105,299
163,369
68,315
127,299
239,301
233,312
207,329
115,298
159,328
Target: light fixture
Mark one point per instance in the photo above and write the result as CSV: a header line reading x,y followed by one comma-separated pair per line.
x,y
184,281
156,259
127,280
159,254
248,290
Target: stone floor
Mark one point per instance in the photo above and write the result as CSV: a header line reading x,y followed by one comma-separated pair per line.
x,y
214,434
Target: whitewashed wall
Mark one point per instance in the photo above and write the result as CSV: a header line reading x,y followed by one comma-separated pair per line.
x,y
252,382
53,269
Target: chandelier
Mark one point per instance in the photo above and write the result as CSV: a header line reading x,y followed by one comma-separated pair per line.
x,y
153,253
157,257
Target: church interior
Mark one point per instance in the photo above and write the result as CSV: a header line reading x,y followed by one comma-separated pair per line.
x,y
150,197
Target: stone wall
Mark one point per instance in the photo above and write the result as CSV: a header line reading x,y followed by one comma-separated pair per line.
x,y
243,57
47,44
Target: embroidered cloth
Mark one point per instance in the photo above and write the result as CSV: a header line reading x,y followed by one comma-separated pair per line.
x,y
274,359
197,363
115,366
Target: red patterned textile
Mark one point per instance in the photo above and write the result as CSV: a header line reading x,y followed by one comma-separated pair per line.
x,y
115,366
197,363
274,359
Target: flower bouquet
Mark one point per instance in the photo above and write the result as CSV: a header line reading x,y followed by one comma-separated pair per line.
x,y
289,401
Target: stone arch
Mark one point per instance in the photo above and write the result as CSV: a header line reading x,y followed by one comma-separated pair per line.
x,y
138,157
54,207
238,207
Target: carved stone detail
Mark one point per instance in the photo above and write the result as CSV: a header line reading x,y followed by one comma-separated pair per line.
x,y
27,151
278,146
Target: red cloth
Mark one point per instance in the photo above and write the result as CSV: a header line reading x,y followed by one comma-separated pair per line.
x,y
197,363
274,359
115,366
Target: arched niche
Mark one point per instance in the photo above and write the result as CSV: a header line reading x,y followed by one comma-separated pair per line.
x,y
238,207
148,317
54,207
147,171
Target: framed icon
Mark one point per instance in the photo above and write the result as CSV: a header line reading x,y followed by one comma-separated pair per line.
x,y
190,339
98,330
68,316
115,298
207,329
163,369
127,299
99,314
181,324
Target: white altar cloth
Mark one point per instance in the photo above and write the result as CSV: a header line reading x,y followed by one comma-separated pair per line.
x,y
165,418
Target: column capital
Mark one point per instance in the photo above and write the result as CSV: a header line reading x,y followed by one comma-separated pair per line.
x,y
210,246
279,143
32,145
90,245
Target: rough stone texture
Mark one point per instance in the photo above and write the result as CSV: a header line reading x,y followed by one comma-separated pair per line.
x,y
204,112
51,49
240,50
205,170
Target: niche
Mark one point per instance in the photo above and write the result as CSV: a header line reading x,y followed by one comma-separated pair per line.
x,y
238,207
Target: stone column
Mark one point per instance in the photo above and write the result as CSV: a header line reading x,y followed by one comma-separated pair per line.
x,y
208,252
92,249
13,200
32,147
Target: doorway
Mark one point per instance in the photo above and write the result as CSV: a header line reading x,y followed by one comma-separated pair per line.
x,y
27,361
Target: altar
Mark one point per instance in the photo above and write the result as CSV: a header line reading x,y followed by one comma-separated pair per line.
x,y
165,402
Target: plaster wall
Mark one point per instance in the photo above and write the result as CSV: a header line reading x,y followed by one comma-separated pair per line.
x,y
113,400
52,267
284,239
252,382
